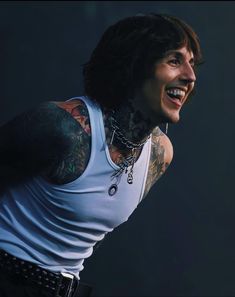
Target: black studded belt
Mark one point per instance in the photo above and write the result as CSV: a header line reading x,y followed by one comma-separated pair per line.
x,y
58,285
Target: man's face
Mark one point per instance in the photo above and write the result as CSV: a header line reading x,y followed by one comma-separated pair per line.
x,y
164,95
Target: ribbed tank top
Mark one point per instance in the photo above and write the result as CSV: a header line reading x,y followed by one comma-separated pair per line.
x,y
57,226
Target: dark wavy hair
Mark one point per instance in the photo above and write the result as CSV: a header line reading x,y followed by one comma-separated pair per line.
x,y
127,52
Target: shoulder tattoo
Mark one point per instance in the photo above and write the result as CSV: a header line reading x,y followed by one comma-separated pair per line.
x,y
78,111
158,162
74,163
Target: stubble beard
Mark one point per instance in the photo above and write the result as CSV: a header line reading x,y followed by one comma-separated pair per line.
x,y
162,116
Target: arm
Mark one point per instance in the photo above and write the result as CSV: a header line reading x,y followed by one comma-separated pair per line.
x,y
160,158
37,141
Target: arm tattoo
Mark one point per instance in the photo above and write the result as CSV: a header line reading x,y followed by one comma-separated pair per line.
x,y
79,111
157,164
74,163
48,140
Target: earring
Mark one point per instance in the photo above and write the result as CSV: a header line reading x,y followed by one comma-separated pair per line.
x,y
166,128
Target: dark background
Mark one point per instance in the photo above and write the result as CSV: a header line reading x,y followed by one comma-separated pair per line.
x,y
180,240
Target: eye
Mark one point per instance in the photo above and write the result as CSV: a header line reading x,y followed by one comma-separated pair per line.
x,y
174,61
193,65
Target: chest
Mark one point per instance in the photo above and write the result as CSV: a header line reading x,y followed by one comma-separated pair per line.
x,y
155,167
88,198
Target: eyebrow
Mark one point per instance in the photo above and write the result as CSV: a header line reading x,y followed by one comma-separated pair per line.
x,y
178,55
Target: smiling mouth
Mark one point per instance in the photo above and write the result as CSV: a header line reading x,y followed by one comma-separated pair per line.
x,y
176,96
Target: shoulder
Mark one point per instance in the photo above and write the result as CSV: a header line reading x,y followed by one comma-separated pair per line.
x,y
56,125
161,145
44,126
77,133
63,120
49,115
160,157
77,109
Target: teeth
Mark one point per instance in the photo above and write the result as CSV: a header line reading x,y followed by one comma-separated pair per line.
x,y
176,92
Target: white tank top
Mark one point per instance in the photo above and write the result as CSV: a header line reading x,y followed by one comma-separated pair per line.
x,y
57,226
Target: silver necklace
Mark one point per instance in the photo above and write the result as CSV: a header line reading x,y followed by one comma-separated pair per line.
x,y
129,161
118,133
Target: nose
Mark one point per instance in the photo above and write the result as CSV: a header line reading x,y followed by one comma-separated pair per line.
x,y
188,74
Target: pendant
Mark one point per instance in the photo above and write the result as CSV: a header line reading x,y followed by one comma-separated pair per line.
x,y
113,189
130,178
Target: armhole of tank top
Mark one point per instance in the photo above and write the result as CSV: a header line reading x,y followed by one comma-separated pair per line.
x,y
89,107
146,168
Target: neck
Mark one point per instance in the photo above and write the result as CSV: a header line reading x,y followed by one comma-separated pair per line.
x,y
131,121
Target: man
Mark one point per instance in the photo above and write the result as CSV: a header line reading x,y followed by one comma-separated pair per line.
x,y
73,171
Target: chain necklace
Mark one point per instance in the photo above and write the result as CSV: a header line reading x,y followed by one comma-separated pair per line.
x,y
129,161
119,135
